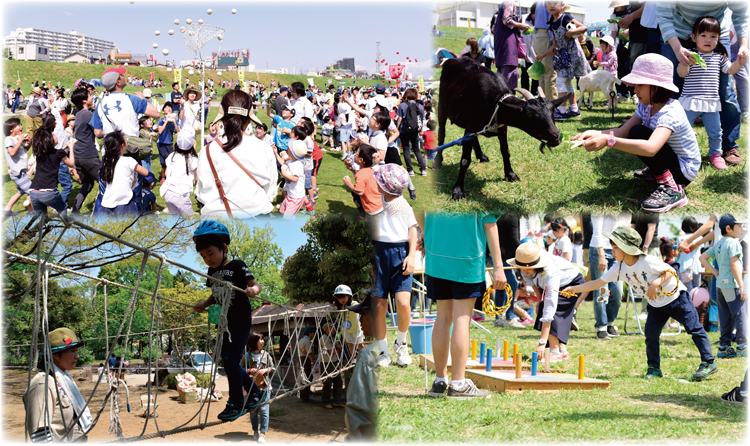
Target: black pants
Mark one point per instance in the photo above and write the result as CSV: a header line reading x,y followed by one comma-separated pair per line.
x,y
664,160
305,393
332,388
409,142
88,172
525,80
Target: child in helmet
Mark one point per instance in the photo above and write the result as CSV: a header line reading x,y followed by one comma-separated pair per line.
x,y
212,243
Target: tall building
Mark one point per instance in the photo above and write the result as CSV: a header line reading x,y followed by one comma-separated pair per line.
x,y
346,63
479,13
58,44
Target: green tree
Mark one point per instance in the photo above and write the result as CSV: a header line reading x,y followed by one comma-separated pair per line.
x,y
338,251
179,317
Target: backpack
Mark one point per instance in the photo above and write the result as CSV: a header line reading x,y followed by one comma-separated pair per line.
x,y
413,119
68,109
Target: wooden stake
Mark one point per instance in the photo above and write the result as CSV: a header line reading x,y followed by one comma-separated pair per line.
x,y
505,350
517,358
473,349
581,362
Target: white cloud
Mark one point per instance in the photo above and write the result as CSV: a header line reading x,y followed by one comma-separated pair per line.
x,y
68,13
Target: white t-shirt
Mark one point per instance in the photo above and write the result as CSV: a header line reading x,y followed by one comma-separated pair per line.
x,y
120,191
308,161
641,274
562,245
190,114
327,129
303,108
296,189
19,161
392,225
577,254
379,141
180,181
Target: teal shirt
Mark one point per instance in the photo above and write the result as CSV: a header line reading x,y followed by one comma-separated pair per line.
x,y
455,246
723,251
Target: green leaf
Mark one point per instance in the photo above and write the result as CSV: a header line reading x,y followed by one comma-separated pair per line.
x,y
530,31
615,20
699,60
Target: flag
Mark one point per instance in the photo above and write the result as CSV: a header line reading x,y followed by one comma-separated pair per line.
x,y
241,76
421,83
178,75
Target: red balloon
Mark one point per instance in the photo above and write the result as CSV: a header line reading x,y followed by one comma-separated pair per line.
x,y
386,64
396,52
415,60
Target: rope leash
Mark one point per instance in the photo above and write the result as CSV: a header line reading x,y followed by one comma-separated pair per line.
x,y
487,128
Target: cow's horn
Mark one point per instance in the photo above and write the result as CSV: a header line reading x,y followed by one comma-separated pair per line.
x,y
525,93
541,93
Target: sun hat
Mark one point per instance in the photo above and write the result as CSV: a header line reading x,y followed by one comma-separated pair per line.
x,y
189,89
63,339
627,239
528,255
392,178
146,92
610,41
652,69
110,77
37,91
618,3
298,149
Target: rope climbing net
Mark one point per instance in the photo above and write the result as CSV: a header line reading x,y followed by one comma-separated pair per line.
x,y
287,323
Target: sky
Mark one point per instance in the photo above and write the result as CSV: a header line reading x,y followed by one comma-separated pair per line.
x,y
279,34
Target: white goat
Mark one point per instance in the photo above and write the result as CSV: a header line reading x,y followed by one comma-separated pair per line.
x,y
598,80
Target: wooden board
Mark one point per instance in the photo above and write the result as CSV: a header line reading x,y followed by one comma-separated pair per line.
x,y
504,381
497,364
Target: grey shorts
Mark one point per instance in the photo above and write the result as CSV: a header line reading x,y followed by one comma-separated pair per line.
x,y
23,182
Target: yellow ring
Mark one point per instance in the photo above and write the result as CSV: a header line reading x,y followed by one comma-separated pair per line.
x,y
488,305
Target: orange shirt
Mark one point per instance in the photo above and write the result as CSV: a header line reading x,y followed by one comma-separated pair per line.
x,y
366,185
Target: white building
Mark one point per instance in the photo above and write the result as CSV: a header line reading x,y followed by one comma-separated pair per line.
x,y
58,44
76,58
480,12
29,51
283,70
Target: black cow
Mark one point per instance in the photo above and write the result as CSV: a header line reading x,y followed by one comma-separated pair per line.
x,y
469,93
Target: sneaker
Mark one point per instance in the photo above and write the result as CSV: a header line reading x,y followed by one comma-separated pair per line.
x,y
412,194
384,360
718,162
515,323
704,370
328,406
673,325
232,412
602,335
564,355
528,321
560,116
663,199
612,331
726,352
501,323
424,172
438,389
741,350
653,373
306,212
468,391
644,174
477,318
262,438
734,396
411,173
339,405
402,354
643,316
255,435
8,213
574,114
555,357
732,157
574,322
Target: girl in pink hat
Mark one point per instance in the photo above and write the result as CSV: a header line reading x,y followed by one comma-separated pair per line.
x,y
659,134
700,92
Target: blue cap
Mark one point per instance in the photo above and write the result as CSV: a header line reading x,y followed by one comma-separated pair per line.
x,y
727,220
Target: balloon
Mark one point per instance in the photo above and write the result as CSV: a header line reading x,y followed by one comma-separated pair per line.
x,y
157,32
191,72
209,12
80,41
244,52
169,70
699,296
132,1
396,52
176,21
234,11
165,51
200,21
188,21
386,64
198,72
126,64
415,60
171,32
218,73
156,45
182,29
220,37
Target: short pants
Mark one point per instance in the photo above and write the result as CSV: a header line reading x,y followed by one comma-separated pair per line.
x,y
345,135
444,289
22,182
389,261
308,179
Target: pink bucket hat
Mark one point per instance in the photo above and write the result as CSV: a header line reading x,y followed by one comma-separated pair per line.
x,y
392,178
652,69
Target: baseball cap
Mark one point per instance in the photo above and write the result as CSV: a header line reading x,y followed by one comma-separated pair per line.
x,y
110,77
283,89
392,178
290,108
361,307
383,102
146,92
727,220
186,138
379,88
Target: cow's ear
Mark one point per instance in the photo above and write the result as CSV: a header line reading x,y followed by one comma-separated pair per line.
x,y
560,100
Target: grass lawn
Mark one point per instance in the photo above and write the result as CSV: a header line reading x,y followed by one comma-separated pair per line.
x,y
573,180
632,410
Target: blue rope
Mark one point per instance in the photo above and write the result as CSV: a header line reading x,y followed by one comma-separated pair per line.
x,y
465,138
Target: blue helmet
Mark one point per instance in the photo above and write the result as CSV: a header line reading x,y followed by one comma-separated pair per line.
x,y
212,227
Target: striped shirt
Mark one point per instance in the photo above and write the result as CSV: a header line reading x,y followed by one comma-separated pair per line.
x,y
677,19
682,140
704,84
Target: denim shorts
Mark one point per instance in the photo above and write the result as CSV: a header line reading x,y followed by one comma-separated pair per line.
x,y
22,182
444,289
389,261
308,179
345,135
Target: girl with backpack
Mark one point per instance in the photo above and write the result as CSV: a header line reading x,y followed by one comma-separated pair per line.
x,y
410,116
182,166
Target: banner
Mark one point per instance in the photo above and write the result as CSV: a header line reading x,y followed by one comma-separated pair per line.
x,y
152,76
241,76
310,81
178,75
421,83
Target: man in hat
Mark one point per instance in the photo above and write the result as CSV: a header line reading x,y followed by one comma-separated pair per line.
x,y
307,358
361,408
34,109
117,110
54,405
282,99
148,95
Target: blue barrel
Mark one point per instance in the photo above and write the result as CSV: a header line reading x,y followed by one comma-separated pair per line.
x,y
420,332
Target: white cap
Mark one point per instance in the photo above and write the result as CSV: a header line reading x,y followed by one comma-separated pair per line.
x,y
186,138
147,92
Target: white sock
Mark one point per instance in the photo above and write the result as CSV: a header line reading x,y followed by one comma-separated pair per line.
x,y
574,107
602,328
383,345
610,324
562,109
401,337
458,384
555,350
441,380
563,349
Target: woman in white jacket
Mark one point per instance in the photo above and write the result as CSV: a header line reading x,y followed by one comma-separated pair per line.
x,y
245,166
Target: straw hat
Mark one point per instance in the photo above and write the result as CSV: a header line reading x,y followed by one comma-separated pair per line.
x,y
618,3
528,255
193,89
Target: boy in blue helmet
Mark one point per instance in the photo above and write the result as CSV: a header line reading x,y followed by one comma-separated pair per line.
x,y
212,243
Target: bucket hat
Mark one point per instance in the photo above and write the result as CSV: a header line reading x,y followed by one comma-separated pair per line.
x,y
627,239
392,178
652,69
63,339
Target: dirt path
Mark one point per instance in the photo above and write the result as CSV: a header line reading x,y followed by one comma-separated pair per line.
x,y
291,420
